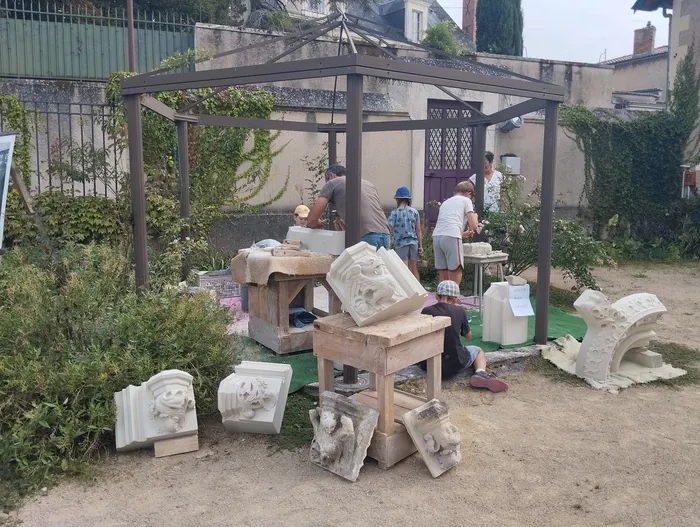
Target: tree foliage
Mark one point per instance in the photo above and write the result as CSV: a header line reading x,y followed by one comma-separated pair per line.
x,y
440,36
499,27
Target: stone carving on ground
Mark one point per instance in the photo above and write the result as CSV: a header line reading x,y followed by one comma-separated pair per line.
x,y
434,435
374,285
343,430
161,408
614,329
614,352
253,399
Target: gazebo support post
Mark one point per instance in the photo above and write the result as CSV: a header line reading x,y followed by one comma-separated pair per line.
x,y
478,155
544,260
332,149
184,166
353,188
138,189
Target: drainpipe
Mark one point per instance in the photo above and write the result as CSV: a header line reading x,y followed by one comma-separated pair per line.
x,y
668,60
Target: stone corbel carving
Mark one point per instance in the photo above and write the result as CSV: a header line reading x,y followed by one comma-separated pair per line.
x,y
253,398
616,331
343,430
161,408
374,285
435,437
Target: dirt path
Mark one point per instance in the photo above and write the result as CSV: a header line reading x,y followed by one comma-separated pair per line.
x,y
677,286
543,454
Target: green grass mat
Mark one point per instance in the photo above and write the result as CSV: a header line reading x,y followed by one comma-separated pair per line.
x,y
560,324
304,364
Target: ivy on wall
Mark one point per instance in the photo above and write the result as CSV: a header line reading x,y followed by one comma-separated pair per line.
x,y
632,166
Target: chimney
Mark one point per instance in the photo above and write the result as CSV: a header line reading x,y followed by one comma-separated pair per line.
x,y
469,18
644,39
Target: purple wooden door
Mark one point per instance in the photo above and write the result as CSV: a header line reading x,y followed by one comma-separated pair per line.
x,y
448,155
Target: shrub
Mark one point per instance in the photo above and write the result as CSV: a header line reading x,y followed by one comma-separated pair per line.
x,y
73,332
515,230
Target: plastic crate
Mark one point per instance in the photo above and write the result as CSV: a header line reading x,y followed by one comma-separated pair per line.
x,y
221,282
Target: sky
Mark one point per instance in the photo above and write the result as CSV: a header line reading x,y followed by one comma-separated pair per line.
x,y
579,30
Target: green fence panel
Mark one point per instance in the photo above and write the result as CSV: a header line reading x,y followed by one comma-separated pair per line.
x,y
40,44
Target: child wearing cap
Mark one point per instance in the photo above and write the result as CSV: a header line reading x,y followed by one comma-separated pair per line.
x,y
301,213
456,357
404,224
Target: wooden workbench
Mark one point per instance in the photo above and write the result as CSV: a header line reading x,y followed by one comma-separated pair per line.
x,y
383,349
268,309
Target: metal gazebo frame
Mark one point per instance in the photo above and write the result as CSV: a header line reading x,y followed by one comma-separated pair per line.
x,y
354,67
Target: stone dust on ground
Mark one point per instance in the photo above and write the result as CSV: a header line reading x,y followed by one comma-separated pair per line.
x,y
545,453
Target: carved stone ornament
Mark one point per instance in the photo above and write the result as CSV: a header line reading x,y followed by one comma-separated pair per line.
x,y
374,285
253,398
434,435
614,331
161,408
343,430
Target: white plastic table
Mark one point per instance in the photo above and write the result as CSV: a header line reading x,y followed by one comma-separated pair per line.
x,y
480,261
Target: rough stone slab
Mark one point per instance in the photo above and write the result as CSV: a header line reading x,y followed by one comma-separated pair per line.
x,y
435,437
343,430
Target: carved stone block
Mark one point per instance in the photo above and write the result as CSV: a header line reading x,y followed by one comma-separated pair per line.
x,y
343,430
253,398
614,329
477,249
374,285
161,408
318,240
435,437
500,324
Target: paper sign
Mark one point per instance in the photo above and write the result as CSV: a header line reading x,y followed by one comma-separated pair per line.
x,y
519,298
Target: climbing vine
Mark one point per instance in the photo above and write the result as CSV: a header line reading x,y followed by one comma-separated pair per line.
x,y
632,175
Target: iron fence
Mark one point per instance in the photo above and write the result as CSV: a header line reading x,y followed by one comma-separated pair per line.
x,y
72,151
49,40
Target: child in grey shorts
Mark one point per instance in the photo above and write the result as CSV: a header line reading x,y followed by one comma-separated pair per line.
x,y
404,224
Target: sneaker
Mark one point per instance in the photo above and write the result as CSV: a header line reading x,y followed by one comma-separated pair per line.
x,y
488,381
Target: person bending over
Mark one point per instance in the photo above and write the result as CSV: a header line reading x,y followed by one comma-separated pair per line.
x,y
449,232
456,357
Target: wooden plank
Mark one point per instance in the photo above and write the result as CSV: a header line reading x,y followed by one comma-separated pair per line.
x,y
385,401
372,381
319,312
416,350
296,339
386,334
309,296
176,445
434,384
349,352
403,402
281,305
389,450
326,376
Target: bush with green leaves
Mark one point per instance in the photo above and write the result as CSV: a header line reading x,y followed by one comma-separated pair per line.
x,y
73,332
515,229
440,36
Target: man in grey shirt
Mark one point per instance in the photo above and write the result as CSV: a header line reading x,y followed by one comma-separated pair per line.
x,y
374,228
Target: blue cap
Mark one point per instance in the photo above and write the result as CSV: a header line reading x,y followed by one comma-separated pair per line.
x,y
403,193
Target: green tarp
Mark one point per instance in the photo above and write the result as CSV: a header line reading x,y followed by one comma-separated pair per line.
x,y
304,364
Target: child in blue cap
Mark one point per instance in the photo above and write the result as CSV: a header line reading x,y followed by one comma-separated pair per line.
x,y
404,224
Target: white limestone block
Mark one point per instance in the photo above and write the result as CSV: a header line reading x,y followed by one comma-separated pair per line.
x,y
343,430
614,330
318,240
161,408
434,435
374,285
253,398
500,325
477,249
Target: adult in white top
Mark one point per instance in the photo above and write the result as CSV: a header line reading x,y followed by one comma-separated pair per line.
x,y
449,232
492,184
